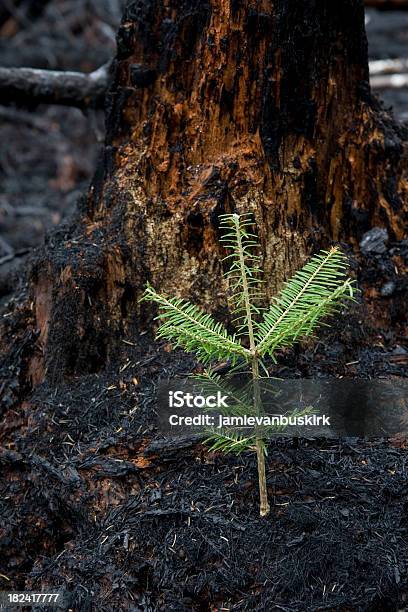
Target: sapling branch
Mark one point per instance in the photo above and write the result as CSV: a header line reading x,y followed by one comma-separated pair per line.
x,y
313,293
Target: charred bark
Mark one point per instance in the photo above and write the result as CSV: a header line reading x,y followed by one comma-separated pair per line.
x,y
217,106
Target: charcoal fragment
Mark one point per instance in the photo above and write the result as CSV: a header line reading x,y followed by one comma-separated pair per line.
x,y
388,289
374,240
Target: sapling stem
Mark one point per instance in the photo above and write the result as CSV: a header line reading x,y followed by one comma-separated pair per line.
x,y
264,507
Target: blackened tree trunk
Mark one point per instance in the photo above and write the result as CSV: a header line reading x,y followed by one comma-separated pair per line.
x,y
217,106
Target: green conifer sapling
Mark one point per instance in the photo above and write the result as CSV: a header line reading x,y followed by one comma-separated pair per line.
x,y
314,292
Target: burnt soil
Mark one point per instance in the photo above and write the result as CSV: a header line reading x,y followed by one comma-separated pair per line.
x,y
94,502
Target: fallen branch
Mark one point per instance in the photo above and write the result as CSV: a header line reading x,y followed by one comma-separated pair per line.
x,y
28,86
389,81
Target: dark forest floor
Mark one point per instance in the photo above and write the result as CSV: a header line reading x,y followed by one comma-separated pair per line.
x,y
92,501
